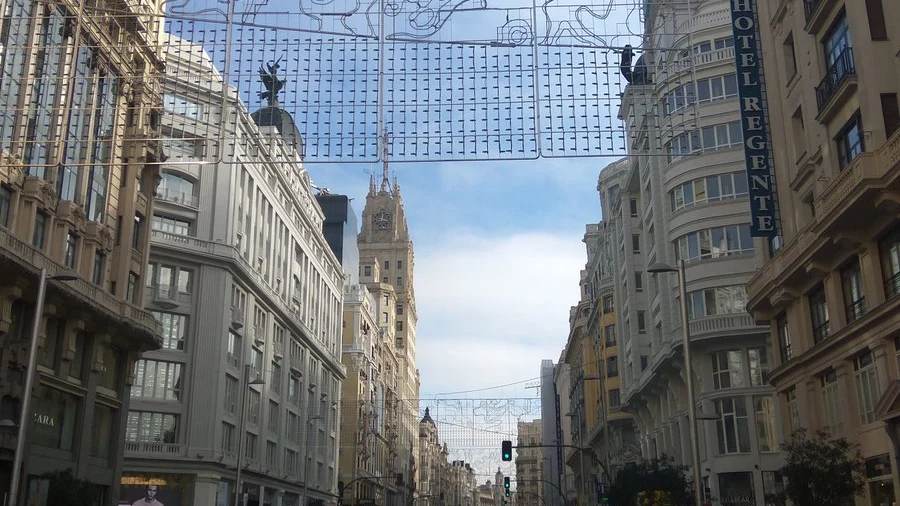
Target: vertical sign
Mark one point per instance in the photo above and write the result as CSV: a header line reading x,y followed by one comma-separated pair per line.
x,y
760,176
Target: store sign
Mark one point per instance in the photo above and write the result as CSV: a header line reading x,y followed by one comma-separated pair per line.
x,y
760,176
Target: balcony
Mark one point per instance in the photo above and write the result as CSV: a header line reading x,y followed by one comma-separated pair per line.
x,y
177,197
839,81
142,449
90,294
719,325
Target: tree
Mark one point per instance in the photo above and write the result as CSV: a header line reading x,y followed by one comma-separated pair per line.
x,y
821,471
654,482
67,490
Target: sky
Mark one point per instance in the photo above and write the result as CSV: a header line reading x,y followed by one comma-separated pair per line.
x,y
498,250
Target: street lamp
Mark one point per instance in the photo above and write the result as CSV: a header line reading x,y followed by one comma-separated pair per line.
x,y
686,343
22,433
246,382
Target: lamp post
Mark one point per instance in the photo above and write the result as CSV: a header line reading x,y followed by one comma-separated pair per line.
x,y
25,408
309,424
692,404
246,382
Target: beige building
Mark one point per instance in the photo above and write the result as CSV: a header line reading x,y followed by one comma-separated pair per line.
x,y
460,490
484,494
433,478
529,463
386,269
829,288
78,173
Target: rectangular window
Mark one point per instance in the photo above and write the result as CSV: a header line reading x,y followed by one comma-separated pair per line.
x,y
387,264
399,281
758,358
233,350
158,380
171,225
773,487
71,248
766,427
867,389
99,268
854,296
793,408
253,411
784,338
641,322
294,391
132,291
367,271
717,301
150,427
608,305
101,428
609,334
273,417
875,14
890,112
644,362
728,369
399,325
399,309
251,446
831,402
818,309
612,367
275,378
231,394
889,248
399,264
227,442
614,398
633,203
136,233
850,141
635,243
271,454
55,418
5,200
40,230
790,60
639,281
732,427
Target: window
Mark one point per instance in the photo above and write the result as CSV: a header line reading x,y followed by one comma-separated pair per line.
x,y
271,454
384,317
709,189
758,358
635,243
55,418
399,264
854,297
157,380
766,429
227,442
292,431
875,13
76,368
384,280
641,322
716,301
639,281
387,264
790,60
889,247
714,242
175,188
890,112
793,408
612,367
256,363
273,417
717,88
784,338
644,362
724,42
71,248
728,369
101,428
182,105
251,446
275,378
40,230
40,113
773,486
132,291
233,349
367,270
174,327
171,225
831,402
99,268
818,309
179,145
614,398
867,389
399,309
837,39
609,334
850,141
5,200
799,133
721,136
732,427
253,410
608,305
231,394
136,233
399,325
151,427
399,281
634,207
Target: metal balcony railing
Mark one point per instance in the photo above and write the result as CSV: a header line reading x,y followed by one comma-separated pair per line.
x,y
842,68
856,309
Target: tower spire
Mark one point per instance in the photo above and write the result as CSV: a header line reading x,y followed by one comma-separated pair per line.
x,y
386,149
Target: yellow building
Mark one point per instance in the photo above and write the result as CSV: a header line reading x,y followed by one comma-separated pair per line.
x,y
829,288
529,463
78,170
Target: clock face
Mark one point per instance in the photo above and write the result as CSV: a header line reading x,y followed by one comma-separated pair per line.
x,y
382,220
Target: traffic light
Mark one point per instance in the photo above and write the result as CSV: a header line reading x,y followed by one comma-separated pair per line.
x,y
506,448
506,485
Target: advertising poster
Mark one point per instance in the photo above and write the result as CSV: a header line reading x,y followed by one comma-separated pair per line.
x,y
155,490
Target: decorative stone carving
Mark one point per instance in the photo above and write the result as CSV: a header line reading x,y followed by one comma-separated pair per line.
x,y
8,295
11,173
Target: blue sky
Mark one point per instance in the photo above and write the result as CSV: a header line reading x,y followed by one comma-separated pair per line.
x,y
498,253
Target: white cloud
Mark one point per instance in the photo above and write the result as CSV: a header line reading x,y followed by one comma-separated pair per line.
x,y
491,308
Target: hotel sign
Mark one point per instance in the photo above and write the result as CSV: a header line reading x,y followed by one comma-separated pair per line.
x,y
751,90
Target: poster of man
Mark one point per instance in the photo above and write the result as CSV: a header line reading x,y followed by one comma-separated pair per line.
x,y
149,491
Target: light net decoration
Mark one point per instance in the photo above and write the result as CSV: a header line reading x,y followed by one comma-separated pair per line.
x,y
412,80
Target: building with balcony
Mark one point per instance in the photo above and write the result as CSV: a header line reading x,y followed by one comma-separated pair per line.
x,y
386,269
433,479
78,167
529,463
613,438
248,292
461,484
682,195
828,287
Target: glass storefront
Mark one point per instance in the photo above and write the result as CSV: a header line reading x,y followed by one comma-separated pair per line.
x,y
736,489
165,489
55,418
880,484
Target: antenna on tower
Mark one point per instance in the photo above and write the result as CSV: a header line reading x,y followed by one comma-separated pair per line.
x,y
385,151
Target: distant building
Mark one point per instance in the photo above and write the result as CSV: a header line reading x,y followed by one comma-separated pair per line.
x,y
551,434
340,230
529,462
